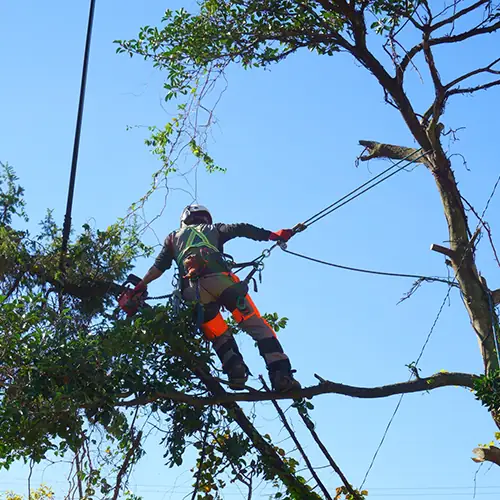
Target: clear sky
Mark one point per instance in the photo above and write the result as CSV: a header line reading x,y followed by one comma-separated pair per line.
x,y
288,138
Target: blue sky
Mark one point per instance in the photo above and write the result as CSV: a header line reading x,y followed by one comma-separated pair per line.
x,y
288,138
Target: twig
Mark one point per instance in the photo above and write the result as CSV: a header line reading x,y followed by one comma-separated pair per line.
x,y
29,479
78,477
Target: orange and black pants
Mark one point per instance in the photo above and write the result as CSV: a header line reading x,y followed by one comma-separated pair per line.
x,y
226,290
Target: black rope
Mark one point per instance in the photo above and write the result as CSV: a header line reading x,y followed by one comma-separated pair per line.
x,y
76,144
369,271
355,193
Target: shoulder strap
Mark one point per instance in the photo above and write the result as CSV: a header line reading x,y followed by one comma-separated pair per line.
x,y
192,242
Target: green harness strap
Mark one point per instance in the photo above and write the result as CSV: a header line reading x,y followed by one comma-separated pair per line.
x,y
191,243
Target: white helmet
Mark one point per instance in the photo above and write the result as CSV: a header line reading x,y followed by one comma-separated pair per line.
x,y
189,214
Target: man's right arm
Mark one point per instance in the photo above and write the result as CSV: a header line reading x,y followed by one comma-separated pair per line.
x,y
242,230
162,262
166,255
229,231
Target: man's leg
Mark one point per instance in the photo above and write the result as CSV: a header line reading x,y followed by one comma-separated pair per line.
x,y
246,314
216,330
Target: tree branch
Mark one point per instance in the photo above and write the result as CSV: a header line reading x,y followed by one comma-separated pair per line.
x,y
267,451
308,463
486,69
136,442
496,296
391,151
88,290
471,90
447,39
458,15
487,454
310,427
325,387
440,93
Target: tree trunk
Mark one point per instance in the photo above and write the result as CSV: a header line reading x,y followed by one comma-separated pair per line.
x,y
475,294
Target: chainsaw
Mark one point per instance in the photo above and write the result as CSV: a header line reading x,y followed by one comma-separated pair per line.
x,y
130,301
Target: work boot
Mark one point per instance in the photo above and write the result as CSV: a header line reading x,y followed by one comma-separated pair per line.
x,y
238,376
283,381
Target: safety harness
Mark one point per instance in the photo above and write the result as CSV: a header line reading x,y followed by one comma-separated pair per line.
x,y
195,263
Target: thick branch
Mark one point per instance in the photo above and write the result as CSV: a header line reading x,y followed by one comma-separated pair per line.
x,y
496,296
326,387
391,151
268,452
487,454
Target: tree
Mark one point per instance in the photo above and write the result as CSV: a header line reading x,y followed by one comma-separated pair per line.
x,y
75,375
195,49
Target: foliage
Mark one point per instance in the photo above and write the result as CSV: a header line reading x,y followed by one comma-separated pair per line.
x,y
42,493
74,369
71,367
343,493
487,389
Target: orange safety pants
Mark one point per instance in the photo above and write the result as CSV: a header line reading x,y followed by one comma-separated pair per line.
x,y
226,290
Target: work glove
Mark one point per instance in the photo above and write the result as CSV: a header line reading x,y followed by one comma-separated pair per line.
x,y
140,288
281,235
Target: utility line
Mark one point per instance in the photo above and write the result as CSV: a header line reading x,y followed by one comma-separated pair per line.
x,y
76,143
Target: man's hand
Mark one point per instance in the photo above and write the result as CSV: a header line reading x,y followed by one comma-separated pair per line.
x,y
281,235
140,288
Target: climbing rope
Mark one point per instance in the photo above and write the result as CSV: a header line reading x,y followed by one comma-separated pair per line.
x,y
352,195
76,143
367,186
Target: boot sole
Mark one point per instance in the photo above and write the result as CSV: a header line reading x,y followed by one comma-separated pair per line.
x,y
293,387
238,385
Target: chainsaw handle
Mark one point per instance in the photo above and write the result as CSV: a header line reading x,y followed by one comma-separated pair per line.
x,y
133,279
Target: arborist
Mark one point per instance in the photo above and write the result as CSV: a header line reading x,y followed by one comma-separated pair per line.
x,y
198,249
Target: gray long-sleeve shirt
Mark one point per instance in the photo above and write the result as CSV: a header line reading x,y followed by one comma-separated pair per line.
x,y
216,234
